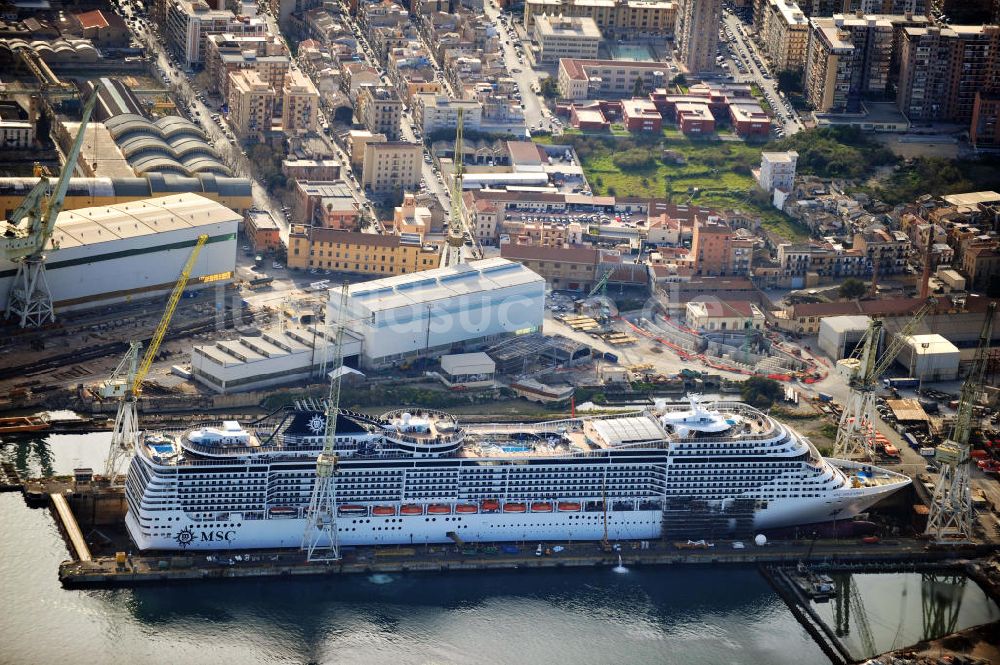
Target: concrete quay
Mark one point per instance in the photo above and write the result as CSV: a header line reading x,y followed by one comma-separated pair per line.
x,y
170,567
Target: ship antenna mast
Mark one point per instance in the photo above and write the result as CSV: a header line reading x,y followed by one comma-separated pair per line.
x,y
320,540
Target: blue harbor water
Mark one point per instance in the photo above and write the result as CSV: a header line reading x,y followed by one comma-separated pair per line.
x,y
651,615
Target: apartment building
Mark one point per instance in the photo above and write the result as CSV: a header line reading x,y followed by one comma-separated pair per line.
x,y
190,22
380,110
598,79
356,252
785,34
392,167
300,104
715,251
853,56
984,131
610,16
942,70
433,112
697,34
226,53
887,251
777,170
251,105
566,37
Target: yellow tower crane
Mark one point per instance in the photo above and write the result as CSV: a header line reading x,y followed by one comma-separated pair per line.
x,y
125,383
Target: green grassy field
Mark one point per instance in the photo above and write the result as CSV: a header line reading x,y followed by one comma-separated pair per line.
x,y
715,173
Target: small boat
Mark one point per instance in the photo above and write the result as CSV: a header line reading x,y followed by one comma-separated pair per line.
x,y
541,507
466,508
511,507
282,511
383,511
438,509
491,505
569,507
352,509
411,509
22,424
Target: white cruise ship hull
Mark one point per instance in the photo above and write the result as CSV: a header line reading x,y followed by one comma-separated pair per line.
x,y
482,527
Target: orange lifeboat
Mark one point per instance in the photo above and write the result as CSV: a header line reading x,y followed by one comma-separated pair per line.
x,y
383,511
541,507
411,509
438,509
352,509
511,507
283,511
491,505
466,508
569,507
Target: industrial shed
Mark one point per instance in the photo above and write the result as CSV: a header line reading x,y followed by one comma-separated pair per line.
x,y
930,357
445,310
114,253
468,370
840,335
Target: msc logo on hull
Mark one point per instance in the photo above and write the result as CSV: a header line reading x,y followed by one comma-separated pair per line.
x,y
188,536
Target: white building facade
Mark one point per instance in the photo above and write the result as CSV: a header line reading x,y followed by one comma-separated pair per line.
x,y
441,311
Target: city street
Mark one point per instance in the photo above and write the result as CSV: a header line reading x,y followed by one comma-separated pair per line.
x,y
753,61
520,69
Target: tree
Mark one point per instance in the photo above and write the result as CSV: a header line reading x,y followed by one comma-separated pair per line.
x,y
853,288
790,81
760,391
680,79
549,88
637,88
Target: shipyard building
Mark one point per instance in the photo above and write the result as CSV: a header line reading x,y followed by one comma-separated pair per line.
x,y
390,321
107,254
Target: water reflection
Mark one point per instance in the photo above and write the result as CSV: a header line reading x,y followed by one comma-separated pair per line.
x,y
873,613
31,457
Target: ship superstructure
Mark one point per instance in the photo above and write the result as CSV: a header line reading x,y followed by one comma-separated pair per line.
x,y
419,476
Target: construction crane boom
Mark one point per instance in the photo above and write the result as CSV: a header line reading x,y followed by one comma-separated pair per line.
x,y
125,382
168,314
24,236
458,231
856,435
320,540
950,515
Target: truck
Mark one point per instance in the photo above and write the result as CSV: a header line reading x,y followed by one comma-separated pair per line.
x,y
901,382
824,397
911,440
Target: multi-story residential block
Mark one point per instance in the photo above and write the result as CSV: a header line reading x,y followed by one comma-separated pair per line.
x,y
308,197
984,131
190,22
439,112
981,265
943,69
226,53
380,110
715,251
886,251
785,34
283,9
566,37
595,79
610,16
251,104
411,218
300,104
697,33
357,139
777,170
391,168
853,56
355,252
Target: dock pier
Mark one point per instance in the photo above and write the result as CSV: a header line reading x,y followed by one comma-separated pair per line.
x,y
67,522
800,607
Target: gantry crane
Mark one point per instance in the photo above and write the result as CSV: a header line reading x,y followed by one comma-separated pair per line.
x,y
457,228
125,383
951,507
24,236
856,433
320,540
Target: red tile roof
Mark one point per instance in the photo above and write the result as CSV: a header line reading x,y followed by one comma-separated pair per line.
x,y
92,19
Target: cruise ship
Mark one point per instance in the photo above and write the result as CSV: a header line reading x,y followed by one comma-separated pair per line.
x,y
411,477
